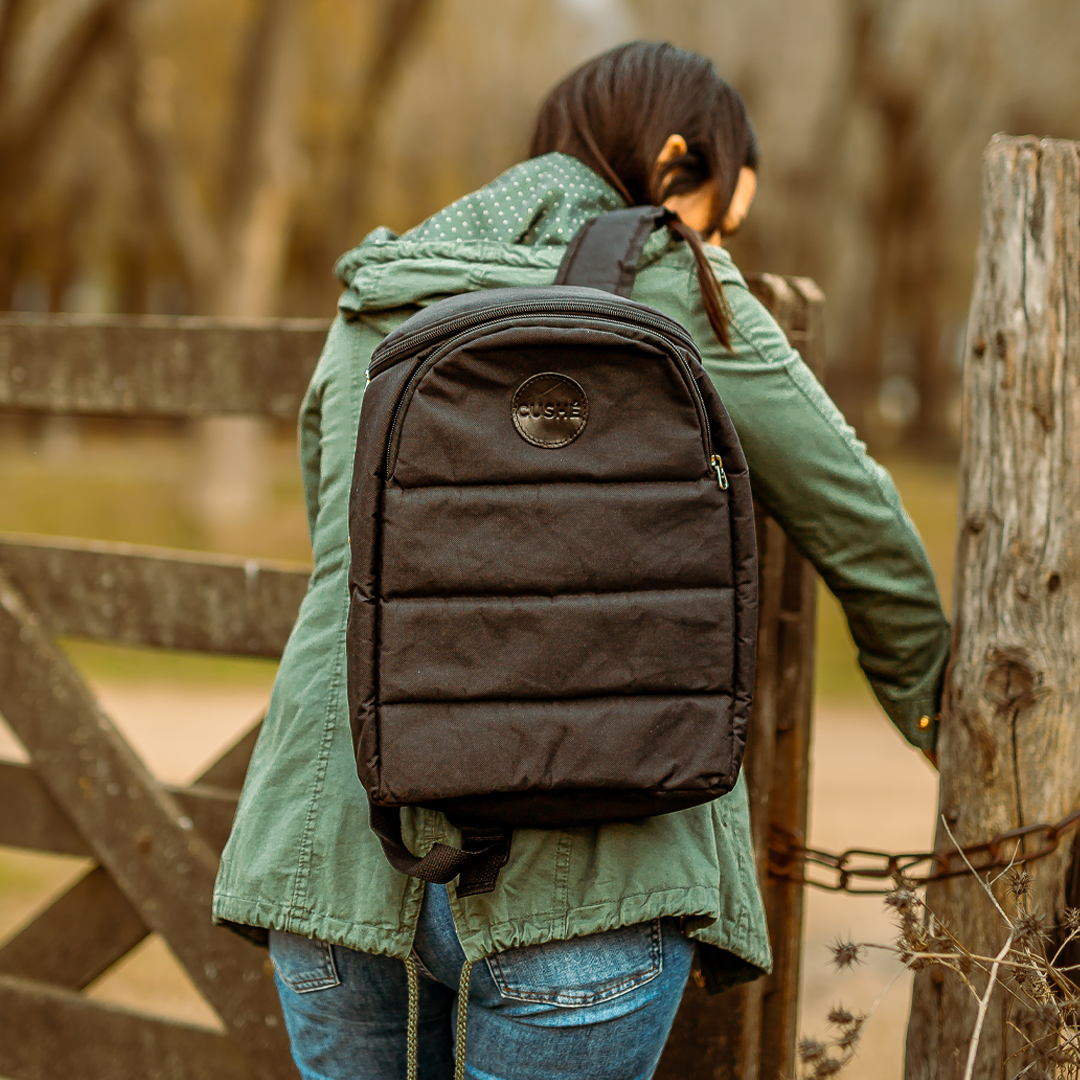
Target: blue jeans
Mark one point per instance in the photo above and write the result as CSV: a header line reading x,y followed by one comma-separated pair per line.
x,y
597,1007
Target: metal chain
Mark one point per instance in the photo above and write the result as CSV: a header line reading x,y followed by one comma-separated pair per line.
x,y
792,860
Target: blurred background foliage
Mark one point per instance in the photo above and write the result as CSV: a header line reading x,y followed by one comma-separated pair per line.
x,y
216,156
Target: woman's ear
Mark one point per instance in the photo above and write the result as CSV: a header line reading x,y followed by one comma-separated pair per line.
x,y
673,149
739,207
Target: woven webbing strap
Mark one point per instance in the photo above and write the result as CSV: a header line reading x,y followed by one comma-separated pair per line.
x,y
476,863
607,249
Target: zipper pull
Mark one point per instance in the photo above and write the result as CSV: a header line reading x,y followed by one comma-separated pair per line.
x,y
718,468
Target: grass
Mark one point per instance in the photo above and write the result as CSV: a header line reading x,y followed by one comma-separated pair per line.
x,y
139,482
117,663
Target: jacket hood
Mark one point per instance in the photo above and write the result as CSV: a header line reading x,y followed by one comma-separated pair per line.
x,y
512,232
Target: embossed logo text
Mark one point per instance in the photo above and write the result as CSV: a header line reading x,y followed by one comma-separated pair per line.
x,y
550,410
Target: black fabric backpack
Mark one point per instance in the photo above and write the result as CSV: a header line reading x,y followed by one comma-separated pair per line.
x,y
553,613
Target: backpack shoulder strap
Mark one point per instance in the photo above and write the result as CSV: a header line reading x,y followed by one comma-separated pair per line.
x,y
606,250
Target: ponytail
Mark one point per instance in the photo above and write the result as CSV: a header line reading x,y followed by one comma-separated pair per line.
x,y
712,295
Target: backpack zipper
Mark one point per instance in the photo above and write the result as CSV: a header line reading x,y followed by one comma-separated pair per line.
x,y
718,468
508,310
714,459
412,342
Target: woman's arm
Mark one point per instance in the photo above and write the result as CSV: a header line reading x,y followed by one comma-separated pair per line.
x,y
838,506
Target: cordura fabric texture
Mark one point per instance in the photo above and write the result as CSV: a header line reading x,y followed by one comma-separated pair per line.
x,y
503,666
301,857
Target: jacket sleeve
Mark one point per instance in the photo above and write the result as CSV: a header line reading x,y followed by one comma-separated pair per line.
x,y
309,425
340,371
839,507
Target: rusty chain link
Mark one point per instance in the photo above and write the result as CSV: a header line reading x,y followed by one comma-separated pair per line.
x,y
791,859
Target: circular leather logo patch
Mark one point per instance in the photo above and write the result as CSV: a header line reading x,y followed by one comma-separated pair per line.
x,y
550,410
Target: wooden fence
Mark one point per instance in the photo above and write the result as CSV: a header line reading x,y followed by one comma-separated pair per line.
x,y
155,847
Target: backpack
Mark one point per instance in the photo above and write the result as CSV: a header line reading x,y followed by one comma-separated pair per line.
x,y
553,588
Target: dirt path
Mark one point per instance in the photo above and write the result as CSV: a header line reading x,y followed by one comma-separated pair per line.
x,y
869,790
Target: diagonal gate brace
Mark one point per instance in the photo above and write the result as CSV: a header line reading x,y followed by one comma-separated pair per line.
x,y
137,830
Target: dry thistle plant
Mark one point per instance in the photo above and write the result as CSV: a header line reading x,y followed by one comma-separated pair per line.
x,y
1044,998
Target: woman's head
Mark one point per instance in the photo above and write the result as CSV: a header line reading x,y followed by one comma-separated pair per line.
x,y
661,126
657,123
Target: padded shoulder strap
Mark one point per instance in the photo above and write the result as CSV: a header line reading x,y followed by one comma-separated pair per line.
x,y
606,251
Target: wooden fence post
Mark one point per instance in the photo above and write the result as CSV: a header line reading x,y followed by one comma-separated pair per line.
x,y
1009,747
749,1032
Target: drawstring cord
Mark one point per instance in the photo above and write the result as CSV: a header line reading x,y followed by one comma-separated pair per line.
x,y
414,1017
412,1039
462,1019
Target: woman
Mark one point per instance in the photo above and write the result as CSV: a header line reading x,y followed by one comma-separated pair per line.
x,y
589,935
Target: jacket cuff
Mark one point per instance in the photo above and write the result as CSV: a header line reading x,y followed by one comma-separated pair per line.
x,y
916,710
916,713
916,718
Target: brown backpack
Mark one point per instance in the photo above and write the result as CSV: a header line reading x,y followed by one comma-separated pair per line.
x,y
554,574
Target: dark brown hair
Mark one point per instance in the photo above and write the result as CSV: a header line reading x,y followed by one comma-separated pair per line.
x,y
616,112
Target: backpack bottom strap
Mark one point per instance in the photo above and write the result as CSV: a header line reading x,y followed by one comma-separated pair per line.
x,y
483,853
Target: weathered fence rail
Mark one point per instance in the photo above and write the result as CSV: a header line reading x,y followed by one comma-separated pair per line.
x,y
168,599
155,846
155,365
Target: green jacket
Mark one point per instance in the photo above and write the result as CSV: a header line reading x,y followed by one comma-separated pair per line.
x,y
301,856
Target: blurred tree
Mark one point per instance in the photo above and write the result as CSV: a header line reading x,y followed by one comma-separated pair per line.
x,y
898,340
234,263
227,215
38,83
217,155
233,260
398,24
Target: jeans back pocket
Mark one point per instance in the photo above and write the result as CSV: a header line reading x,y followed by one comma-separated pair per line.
x,y
581,971
303,964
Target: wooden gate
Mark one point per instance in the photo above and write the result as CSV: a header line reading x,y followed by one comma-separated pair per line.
x,y
155,846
